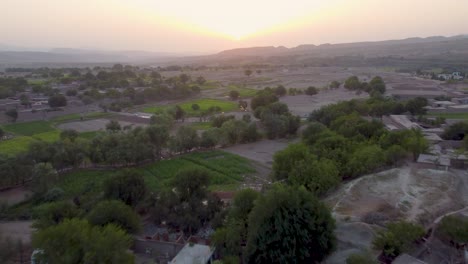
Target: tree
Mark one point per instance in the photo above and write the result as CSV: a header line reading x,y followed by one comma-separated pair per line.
x,y
365,159
280,90
127,185
456,131
318,176
243,105
69,134
24,99
416,143
2,133
12,114
117,213
311,90
44,177
184,78
178,113
50,214
416,106
185,139
377,85
158,136
454,228
57,100
195,107
75,241
335,85
398,238
303,228
234,95
201,80
248,72
353,83
210,138
229,239
188,205
113,126
285,160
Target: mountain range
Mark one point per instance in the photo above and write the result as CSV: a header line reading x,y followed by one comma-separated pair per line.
x,y
431,47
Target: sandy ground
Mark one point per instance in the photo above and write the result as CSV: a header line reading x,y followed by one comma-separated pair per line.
x,y
17,230
303,105
363,205
261,151
92,125
14,196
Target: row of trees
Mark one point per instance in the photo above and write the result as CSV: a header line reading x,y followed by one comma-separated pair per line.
x,y
375,87
74,231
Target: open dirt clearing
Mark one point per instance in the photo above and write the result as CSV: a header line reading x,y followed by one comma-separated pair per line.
x,y
261,151
303,105
92,125
14,196
17,230
363,205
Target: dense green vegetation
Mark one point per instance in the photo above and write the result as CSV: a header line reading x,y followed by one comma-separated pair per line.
x,y
29,128
454,228
398,238
204,104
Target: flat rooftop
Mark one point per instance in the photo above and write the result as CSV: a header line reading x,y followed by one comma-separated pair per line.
x,y
193,254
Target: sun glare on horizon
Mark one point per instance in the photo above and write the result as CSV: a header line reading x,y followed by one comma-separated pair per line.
x,y
235,20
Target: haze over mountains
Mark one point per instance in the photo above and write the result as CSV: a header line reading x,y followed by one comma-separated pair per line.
x,y
431,47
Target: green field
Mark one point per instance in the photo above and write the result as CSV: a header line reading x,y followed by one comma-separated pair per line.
x,y
15,145
201,125
38,82
450,115
29,128
25,133
209,85
226,106
226,169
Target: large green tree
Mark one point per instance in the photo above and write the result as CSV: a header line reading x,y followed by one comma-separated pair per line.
x,y
75,241
127,185
289,225
115,212
398,238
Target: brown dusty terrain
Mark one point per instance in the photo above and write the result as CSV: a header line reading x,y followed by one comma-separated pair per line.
x,y
363,205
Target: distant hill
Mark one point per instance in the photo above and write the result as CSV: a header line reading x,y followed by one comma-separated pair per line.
x,y
405,47
434,51
78,56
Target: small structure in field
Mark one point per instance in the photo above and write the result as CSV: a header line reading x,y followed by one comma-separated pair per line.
x,y
433,161
194,254
407,259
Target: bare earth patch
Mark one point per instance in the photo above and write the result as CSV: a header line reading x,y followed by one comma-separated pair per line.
x,y
363,205
14,196
17,230
92,125
303,105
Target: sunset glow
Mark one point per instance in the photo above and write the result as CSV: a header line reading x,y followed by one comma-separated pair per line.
x,y
234,19
214,25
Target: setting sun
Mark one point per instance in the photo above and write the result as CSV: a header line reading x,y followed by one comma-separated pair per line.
x,y
233,19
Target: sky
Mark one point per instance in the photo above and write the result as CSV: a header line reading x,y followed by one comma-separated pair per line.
x,y
205,26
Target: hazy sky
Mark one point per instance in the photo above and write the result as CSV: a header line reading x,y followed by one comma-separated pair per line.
x,y
214,25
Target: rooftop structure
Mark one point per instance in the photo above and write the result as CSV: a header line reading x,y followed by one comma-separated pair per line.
x,y
193,254
407,259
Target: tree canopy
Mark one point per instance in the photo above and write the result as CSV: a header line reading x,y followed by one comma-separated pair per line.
x,y
303,228
76,241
